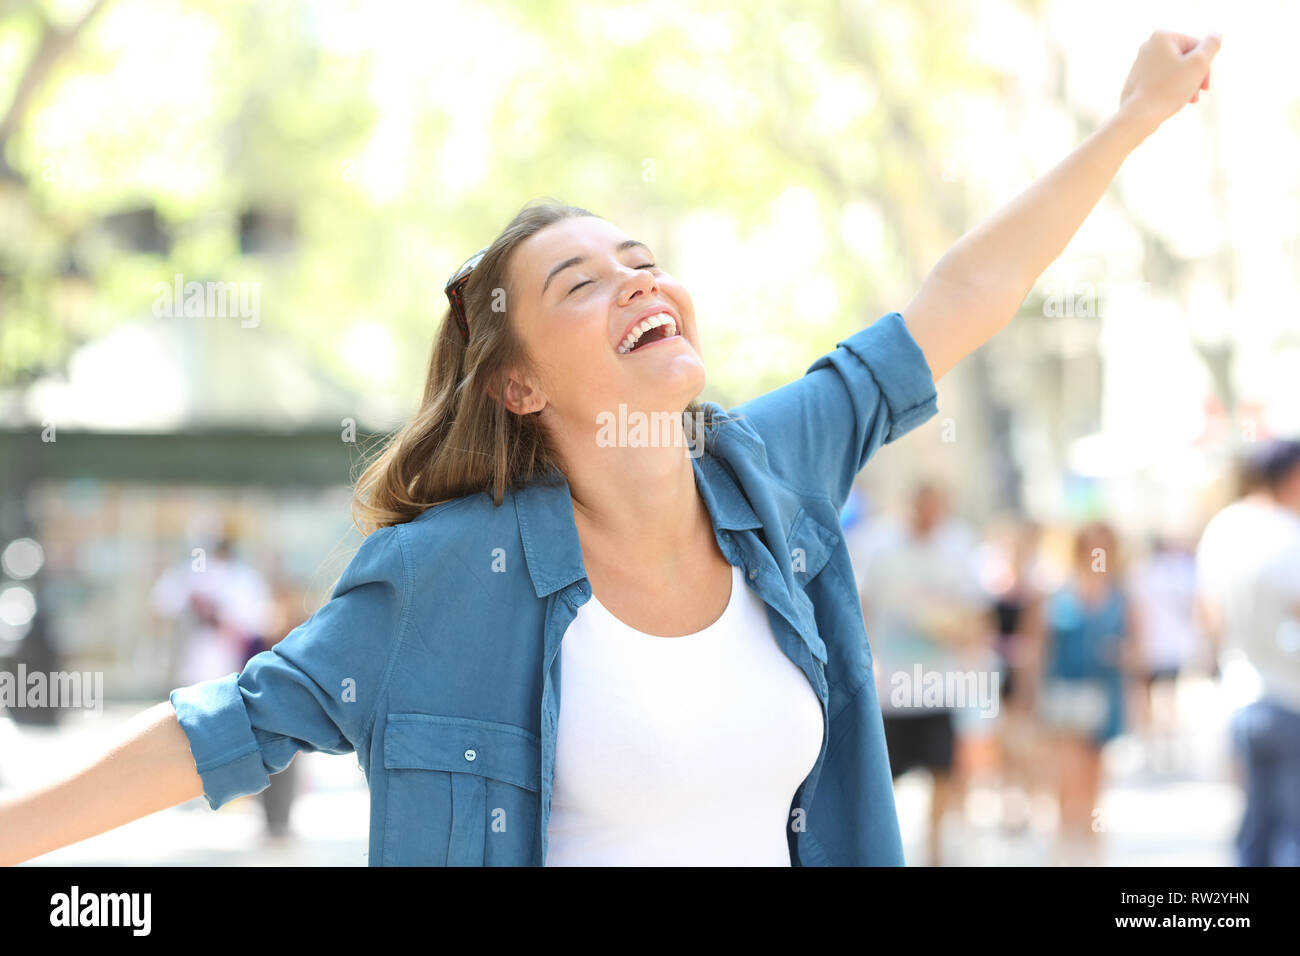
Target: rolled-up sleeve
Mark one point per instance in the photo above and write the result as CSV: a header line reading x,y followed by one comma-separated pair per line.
x,y
316,690
821,429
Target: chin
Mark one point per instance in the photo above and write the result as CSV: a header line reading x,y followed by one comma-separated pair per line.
x,y
692,384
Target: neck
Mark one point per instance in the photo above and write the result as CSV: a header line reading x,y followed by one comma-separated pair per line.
x,y
1090,581
1266,497
642,499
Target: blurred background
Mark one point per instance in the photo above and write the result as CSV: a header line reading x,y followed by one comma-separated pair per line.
x,y
799,167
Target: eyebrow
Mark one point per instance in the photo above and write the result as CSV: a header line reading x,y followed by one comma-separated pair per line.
x,y
577,260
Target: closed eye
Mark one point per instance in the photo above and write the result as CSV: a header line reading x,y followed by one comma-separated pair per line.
x,y
648,265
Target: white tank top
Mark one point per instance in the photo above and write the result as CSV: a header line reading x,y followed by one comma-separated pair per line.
x,y
679,751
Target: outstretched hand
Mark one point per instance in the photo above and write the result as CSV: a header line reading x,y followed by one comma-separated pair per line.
x,y
1171,69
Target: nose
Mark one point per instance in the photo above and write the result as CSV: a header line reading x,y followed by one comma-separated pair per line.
x,y
638,280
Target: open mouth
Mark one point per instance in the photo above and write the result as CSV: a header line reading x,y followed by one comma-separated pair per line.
x,y
656,328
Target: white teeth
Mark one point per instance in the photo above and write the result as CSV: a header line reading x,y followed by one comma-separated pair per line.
x,y
654,321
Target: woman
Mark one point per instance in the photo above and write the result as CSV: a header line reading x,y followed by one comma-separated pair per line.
x,y
1088,650
526,503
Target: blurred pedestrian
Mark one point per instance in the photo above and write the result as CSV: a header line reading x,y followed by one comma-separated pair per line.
x,y
1163,588
1087,650
1248,577
922,603
1017,592
278,798
221,607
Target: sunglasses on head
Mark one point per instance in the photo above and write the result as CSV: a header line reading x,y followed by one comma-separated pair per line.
x,y
455,290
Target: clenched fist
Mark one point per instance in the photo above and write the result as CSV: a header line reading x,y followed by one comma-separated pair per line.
x,y
1171,69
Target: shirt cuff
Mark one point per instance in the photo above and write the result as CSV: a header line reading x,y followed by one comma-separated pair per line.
x,y
898,365
226,754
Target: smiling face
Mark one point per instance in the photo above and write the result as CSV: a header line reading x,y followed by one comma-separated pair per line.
x,y
576,289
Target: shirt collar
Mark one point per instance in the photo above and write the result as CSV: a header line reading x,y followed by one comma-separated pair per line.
x,y
550,536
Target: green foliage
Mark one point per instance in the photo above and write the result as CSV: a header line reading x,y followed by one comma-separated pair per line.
x,y
384,146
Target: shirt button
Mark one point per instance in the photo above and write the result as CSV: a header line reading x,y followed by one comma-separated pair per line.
x,y
470,754
753,573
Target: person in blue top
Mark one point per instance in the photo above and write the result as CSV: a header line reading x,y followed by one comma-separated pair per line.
x,y
1087,655
560,448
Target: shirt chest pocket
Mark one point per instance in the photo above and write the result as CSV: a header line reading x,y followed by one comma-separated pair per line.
x,y
460,791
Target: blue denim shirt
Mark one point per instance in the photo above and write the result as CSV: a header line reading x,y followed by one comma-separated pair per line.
x,y
436,659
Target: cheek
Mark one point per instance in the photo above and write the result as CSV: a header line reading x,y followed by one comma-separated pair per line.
x,y
684,298
685,307
576,373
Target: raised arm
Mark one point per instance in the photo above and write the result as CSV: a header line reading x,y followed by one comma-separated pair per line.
x,y
978,284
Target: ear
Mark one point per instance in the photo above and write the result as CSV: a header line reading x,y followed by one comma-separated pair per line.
x,y
520,397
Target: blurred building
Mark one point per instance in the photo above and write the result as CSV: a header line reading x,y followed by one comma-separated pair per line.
x,y
162,435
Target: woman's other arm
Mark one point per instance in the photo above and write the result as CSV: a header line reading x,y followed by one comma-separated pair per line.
x,y
149,768
978,284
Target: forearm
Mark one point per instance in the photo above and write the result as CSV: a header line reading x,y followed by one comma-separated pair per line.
x,y
978,284
149,769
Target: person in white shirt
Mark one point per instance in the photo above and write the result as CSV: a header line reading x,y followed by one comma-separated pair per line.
x,y
220,605
923,607
1248,568
1170,640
